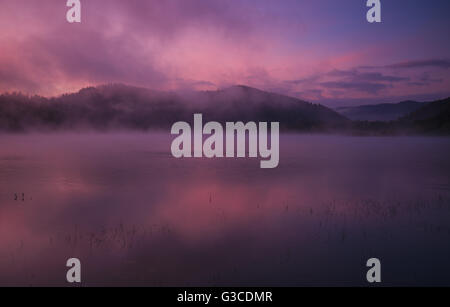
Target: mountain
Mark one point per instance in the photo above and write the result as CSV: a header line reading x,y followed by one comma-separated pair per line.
x,y
431,118
249,104
380,112
118,106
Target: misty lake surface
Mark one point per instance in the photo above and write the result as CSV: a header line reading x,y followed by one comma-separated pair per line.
x,y
134,215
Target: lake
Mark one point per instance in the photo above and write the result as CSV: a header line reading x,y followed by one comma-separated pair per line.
x,y
134,215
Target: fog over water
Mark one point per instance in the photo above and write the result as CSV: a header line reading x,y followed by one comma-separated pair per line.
x,y
134,215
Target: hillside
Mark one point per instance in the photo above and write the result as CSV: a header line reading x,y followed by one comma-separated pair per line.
x,y
380,112
431,118
111,107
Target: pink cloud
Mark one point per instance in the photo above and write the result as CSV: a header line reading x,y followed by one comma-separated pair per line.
x,y
174,44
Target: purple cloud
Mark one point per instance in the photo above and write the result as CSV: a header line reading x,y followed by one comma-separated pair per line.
x,y
367,87
421,63
358,76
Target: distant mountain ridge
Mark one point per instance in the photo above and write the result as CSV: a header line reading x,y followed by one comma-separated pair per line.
x,y
122,107
381,112
431,118
119,106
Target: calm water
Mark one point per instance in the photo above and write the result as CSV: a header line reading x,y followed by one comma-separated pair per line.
x,y
134,215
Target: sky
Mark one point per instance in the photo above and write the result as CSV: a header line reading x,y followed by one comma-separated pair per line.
x,y
319,51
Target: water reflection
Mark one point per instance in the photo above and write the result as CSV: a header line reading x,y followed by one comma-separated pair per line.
x,y
136,216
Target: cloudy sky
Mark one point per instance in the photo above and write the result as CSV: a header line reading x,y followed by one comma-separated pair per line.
x,y
322,51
